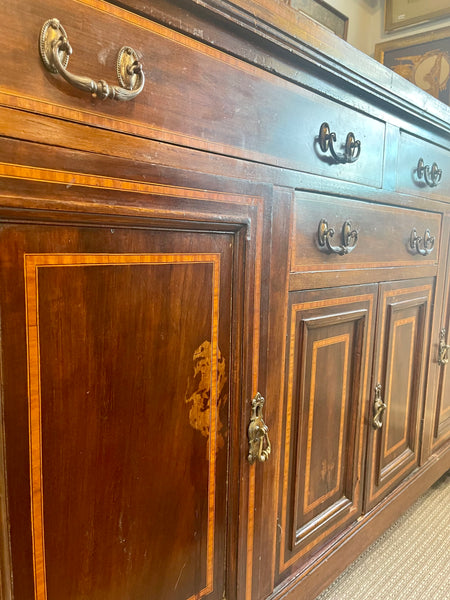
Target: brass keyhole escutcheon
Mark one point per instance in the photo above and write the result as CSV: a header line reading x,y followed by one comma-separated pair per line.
x,y
378,408
258,433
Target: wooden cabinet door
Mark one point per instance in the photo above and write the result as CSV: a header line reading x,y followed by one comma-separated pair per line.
x,y
327,379
441,429
400,358
117,373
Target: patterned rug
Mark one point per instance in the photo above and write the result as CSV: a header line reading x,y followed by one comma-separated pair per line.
x,y
410,561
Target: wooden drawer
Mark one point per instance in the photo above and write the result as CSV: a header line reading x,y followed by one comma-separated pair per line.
x,y
382,240
194,95
412,178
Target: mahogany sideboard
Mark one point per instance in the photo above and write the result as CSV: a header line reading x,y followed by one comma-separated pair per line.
x,y
224,300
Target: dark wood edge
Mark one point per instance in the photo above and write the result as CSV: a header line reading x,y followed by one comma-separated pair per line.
x,y
6,592
300,38
303,37
309,582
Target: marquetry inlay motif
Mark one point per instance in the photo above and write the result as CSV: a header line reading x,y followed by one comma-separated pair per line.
x,y
198,393
34,263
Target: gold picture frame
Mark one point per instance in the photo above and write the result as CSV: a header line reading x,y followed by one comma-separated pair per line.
x,y
423,59
401,13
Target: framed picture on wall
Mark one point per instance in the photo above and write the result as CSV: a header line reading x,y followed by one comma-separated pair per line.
x,y
401,13
423,59
323,13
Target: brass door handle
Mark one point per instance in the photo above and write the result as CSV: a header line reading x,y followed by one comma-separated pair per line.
x,y
352,147
431,175
378,408
55,51
422,245
326,233
443,349
258,433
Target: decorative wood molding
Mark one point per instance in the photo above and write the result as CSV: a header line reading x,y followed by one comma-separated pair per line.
x,y
303,37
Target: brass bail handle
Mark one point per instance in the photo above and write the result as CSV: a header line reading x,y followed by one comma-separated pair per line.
x,y
431,175
378,408
421,245
55,51
258,433
325,235
352,147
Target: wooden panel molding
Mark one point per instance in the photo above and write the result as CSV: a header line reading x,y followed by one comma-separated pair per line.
x,y
402,351
441,432
34,265
239,212
327,377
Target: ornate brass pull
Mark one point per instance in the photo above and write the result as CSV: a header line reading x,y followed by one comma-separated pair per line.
x,y
352,148
432,175
443,349
55,52
378,408
427,242
258,433
326,233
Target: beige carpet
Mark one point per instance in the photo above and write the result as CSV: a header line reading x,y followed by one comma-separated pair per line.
x,y
410,561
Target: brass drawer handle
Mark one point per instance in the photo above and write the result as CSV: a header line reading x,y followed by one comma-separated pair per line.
x,y
55,51
432,175
378,408
443,349
421,245
258,433
326,233
352,148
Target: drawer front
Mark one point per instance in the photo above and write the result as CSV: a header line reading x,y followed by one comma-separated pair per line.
x,y
415,172
194,95
376,236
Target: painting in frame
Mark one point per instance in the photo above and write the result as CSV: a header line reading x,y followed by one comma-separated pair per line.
x,y
401,13
423,59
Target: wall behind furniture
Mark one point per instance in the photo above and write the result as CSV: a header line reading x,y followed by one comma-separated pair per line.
x,y
366,24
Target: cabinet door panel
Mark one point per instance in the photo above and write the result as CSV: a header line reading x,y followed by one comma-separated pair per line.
x,y
442,415
127,350
402,350
327,378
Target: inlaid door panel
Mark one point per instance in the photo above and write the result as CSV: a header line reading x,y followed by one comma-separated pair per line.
x,y
402,351
329,354
123,372
441,431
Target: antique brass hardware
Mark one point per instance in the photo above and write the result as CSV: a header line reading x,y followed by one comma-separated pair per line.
x,y
55,52
422,245
352,148
258,433
432,176
443,348
326,233
378,408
